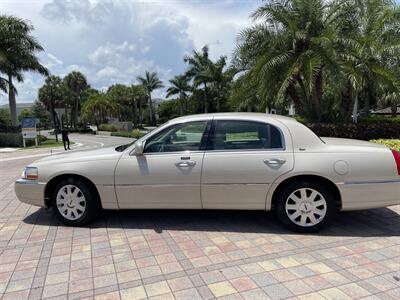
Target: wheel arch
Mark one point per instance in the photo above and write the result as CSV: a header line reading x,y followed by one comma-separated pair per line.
x,y
310,177
49,188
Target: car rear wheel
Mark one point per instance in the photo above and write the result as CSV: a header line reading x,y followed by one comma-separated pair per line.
x,y
305,206
74,202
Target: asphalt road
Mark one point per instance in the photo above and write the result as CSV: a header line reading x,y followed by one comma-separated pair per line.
x,y
83,142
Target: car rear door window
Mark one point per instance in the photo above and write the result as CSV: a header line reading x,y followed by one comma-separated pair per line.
x,y
245,135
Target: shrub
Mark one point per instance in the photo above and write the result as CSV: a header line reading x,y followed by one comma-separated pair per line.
x,y
392,144
80,130
379,119
361,131
108,127
10,139
15,140
135,133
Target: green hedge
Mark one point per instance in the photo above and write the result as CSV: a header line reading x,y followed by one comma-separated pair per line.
x,y
360,131
15,140
379,119
80,130
108,127
10,139
135,133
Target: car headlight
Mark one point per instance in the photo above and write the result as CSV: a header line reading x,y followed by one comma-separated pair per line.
x,y
30,173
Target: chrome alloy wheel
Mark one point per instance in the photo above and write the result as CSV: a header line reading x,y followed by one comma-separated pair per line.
x,y
306,207
71,202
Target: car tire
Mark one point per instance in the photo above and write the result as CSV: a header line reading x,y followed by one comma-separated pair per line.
x,y
305,206
75,203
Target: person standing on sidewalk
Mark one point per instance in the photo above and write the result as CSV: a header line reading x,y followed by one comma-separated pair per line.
x,y
65,133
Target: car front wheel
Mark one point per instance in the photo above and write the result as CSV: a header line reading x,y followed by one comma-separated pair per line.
x,y
74,202
305,206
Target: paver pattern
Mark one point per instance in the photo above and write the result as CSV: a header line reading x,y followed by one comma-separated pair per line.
x,y
193,254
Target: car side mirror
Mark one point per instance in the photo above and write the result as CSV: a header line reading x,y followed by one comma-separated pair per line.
x,y
139,148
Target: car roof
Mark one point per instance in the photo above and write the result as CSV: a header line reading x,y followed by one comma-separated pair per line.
x,y
238,115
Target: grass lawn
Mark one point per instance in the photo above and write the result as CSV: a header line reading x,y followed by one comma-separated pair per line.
x,y
50,143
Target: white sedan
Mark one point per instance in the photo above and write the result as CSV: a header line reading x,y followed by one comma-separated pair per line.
x,y
244,161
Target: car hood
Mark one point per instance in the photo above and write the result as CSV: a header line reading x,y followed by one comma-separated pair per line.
x,y
349,142
88,155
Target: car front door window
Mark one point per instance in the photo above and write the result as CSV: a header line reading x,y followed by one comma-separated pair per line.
x,y
177,138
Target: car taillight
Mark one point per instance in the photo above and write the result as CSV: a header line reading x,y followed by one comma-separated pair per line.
x,y
396,155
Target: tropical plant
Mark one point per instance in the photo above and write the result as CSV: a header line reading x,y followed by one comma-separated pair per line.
x,y
24,113
5,118
119,94
198,64
321,55
98,108
39,111
137,97
18,49
76,83
150,82
371,51
3,84
51,95
219,80
298,53
179,85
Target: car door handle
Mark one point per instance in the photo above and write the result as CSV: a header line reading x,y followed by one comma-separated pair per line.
x,y
274,162
185,164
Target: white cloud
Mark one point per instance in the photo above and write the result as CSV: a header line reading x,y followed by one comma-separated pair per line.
x,y
115,41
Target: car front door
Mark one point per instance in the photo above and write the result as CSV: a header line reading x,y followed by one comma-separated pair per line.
x,y
242,159
167,175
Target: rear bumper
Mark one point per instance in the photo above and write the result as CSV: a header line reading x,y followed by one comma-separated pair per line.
x,y
369,194
30,192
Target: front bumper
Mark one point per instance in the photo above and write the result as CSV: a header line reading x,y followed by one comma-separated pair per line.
x,y
372,194
30,192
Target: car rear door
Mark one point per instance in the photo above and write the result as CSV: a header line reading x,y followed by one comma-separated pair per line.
x,y
241,161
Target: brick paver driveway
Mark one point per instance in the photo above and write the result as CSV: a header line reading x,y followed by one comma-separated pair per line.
x,y
193,255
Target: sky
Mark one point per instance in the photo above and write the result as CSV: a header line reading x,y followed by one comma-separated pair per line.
x,y
116,41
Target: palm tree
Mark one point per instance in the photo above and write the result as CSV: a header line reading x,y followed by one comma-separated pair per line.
x,y
370,49
137,94
77,83
179,86
290,51
18,50
97,108
150,82
219,79
198,63
120,94
50,94
3,84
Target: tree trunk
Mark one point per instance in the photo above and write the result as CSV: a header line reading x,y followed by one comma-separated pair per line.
x,y
66,116
355,108
53,112
318,94
12,102
393,110
140,113
181,103
76,110
150,110
135,117
205,98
